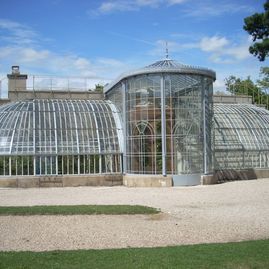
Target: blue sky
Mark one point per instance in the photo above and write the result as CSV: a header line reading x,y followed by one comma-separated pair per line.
x,y
101,39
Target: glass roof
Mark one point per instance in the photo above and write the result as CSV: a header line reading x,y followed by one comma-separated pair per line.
x,y
241,127
40,127
47,127
164,66
166,63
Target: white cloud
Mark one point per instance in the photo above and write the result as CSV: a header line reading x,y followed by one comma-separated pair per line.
x,y
110,62
160,47
240,52
219,85
219,49
223,50
44,62
108,7
132,5
17,33
175,2
173,48
32,55
197,9
82,63
48,61
213,44
206,9
219,59
6,51
150,3
34,58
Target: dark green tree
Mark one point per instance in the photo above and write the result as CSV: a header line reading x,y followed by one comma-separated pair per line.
x,y
257,26
263,84
238,86
99,88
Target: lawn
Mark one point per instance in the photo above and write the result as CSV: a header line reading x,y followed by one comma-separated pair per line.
x,y
77,210
243,255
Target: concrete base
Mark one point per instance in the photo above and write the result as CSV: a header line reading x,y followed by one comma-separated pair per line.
x,y
245,174
127,180
61,181
262,173
147,181
208,179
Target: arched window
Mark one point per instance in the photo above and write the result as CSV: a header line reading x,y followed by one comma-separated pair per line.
x,y
187,154
143,148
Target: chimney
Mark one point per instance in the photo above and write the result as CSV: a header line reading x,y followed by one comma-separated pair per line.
x,y
16,80
15,69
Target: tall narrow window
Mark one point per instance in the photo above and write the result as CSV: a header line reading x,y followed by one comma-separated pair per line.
x,y
143,144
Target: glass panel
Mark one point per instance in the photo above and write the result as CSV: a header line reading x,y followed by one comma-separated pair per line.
x,y
241,136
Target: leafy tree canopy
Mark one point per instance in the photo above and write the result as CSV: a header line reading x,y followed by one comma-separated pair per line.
x,y
264,82
99,88
259,91
240,86
257,26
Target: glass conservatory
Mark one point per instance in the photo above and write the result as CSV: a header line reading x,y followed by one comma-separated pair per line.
x,y
157,127
241,136
60,137
167,114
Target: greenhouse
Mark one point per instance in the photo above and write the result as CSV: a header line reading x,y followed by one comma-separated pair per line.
x,y
57,137
241,137
154,126
167,120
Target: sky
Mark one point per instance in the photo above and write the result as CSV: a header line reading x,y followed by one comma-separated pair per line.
x,y
102,39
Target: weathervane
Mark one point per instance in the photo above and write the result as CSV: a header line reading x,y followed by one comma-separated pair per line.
x,y
167,55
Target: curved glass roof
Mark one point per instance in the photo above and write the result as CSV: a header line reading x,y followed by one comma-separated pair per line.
x,y
40,127
166,63
164,66
241,127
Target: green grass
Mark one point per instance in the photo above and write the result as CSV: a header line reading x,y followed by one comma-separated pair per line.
x,y
77,210
243,255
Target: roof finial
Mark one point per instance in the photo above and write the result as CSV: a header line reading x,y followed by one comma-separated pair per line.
x,y
167,55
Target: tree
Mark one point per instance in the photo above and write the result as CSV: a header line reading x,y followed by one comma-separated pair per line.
x,y
263,84
257,26
238,86
99,88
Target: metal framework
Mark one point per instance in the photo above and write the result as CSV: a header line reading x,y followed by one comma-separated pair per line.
x,y
157,120
241,136
167,118
54,137
164,66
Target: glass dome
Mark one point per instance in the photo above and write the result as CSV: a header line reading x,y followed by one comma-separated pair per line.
x,y
164,66
167,115
49,130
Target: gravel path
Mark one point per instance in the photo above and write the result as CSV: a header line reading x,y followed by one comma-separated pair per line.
x,y
232,211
